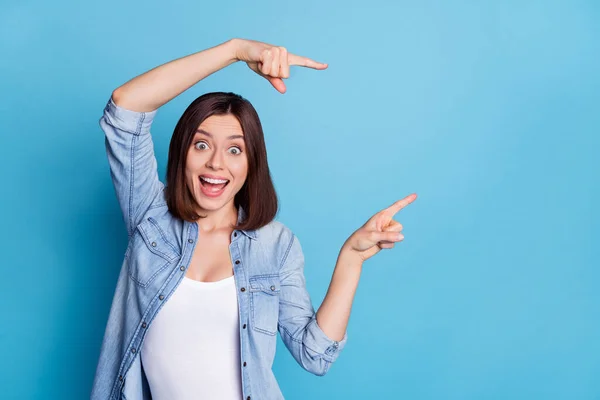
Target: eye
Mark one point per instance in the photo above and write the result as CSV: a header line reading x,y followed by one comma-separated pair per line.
x,y
196,145
239,151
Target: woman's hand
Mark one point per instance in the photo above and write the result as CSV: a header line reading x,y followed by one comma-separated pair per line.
x,y
271,62
379,232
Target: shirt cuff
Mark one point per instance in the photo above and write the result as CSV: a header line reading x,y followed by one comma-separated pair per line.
x,y
318,341
134,122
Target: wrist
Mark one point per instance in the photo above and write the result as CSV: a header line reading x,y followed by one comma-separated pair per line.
x,y
234,47
350,255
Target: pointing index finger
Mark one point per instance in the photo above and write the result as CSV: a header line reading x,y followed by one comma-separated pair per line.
x,y
400,204
294,59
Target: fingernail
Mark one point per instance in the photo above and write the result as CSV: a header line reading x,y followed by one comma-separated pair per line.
x,y
400,236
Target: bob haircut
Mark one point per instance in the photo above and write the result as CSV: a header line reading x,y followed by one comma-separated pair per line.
x,y
257,197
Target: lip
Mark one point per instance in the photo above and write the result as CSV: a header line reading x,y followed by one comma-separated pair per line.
x,y
210,194
214,177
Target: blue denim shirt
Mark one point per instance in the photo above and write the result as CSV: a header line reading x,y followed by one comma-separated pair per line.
x,y
268,266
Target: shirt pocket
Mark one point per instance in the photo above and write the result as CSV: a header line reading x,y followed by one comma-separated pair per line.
x,y
264,302
149,253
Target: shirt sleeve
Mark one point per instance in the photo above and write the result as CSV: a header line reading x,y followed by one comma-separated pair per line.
x,y
298,327
131,159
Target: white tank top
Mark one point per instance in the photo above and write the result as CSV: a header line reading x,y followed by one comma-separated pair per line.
x,y
192,347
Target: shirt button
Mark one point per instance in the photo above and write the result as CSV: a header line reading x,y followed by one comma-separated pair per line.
x,y
237,261
133,350
144,325
190,240
248,398
244,363
272,287
234,234
244,327
243,289
153,244
161,297
181,268
121,378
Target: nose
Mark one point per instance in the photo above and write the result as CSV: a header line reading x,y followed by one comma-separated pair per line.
x,y
215,160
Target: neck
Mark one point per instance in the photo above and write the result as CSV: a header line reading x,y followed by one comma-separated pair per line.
x,y
218,220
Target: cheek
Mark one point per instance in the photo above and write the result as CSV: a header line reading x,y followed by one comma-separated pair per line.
x,y
237,165
239,168
193,162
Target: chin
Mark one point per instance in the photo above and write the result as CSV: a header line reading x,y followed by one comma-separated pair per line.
x,y
211,204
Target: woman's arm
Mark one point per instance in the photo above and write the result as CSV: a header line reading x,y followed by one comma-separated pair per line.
x,y
379,232
149,91
311,347
152,89
334,312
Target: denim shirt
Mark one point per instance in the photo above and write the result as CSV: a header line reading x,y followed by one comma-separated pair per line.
x,y
268,266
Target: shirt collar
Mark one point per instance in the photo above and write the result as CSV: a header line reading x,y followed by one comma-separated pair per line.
x,y
250,233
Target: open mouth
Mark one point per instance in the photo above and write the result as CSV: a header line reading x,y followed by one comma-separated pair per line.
x,y
213,186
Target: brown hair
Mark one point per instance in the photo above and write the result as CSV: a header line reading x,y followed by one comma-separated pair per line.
x,y
257,196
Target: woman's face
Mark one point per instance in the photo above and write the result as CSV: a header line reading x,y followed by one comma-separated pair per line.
x,y
217,153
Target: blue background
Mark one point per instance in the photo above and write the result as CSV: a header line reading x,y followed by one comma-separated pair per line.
x,y
488,111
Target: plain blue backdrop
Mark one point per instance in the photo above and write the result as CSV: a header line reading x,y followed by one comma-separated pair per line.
x,y
489,111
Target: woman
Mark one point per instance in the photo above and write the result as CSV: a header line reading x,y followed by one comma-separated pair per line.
x,y
205,250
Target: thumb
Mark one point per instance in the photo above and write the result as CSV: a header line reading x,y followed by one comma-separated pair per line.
x,y
276,82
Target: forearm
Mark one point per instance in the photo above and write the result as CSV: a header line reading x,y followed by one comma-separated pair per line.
x,y
334,312
152,89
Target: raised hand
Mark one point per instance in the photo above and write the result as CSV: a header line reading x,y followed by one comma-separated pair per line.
x,y
381,231
272,62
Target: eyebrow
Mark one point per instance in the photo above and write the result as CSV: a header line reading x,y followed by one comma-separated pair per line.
x,y
202,131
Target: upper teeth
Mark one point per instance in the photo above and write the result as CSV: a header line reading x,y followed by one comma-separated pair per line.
x,y
210,180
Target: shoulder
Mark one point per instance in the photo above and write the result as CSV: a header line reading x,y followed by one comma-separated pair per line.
x,y
275,232
277,238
